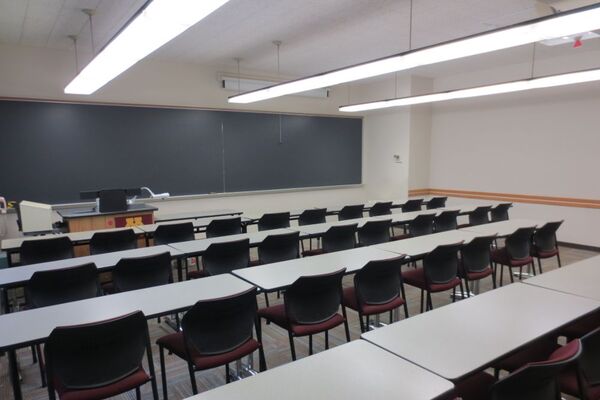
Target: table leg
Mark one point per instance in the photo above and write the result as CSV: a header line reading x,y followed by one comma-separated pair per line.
x,y
5,304
14,374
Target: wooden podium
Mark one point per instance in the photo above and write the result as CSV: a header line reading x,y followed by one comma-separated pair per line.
x,y
90,219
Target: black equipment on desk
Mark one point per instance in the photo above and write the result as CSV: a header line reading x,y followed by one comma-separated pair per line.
x,y
110,200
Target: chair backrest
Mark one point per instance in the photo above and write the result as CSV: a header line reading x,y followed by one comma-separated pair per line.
x,y
44,250
500,212
374,232
222,258
544,238
106,242
379,281
351,212
97,354
47,288
446,221
276,248
518,243
412,205
476,254
174,233
142,272
274,221
534,381
590,354
381,208
436,202
218,326
421,225
341,237
313,216
314,299
441,264
224,227
480,215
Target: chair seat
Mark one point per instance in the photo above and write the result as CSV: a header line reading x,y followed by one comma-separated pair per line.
x,y
195,274
351,301
312,252
276,314
537,351
416,277
475,276
544,253
175,344
130,382
474,387
501,256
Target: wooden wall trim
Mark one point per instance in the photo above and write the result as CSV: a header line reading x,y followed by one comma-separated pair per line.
x,y
509,197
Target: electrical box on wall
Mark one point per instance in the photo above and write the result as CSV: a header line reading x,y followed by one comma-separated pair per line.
x,y
397,159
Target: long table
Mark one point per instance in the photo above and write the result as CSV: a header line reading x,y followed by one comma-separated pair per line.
x,y
352,371
503,228
162,217
464,337
421,245
18,330
198,223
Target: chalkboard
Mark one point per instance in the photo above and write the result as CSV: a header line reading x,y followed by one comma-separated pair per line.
x,y
52,151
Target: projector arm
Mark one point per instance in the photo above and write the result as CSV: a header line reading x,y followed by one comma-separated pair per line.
x,y
152,194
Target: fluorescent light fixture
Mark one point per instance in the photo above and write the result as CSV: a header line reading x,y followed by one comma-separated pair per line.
x,y
508,87
576,21
156,24
246,84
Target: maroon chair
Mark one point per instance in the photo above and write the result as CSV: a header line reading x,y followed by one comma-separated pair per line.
x,y
99,360
142,272
380,208
420,226
438,274
377,289
222,258
582,326
412,205
500,212
479,216
107,242
310,306
436,202
476,261
336,238
351,212
45,250
274,221
215,333
516,253
374,232
539,350
223,227
583,380
474,387
545,244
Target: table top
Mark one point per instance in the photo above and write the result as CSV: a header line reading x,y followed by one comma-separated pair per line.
x,y
92,212
580,278
503,228
463,337
33,325
330,375
197,222
195,214
254,215
76,237
279,275
22,274
421,245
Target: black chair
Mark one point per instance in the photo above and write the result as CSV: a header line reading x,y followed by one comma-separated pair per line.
x,y
222,258
224,227
45,250
107,242
351,212
381,208
310,306
446,221
377,289
374,232
421,225
274,221
215,333
476,260
583,381
500,212
336,238
142,272
100,360
538,380
412,205
479,216
174,233
438,274
545,244
276,248
436,202
515,254
313,216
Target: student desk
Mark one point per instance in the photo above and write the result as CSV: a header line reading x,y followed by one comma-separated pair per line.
x,y
352,371
464,337
195,214
90,219
21,329
580,278
199,224
421,245
503,228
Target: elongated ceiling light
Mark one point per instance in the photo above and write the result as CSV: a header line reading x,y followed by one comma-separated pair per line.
x,y
508,87
156,24
576,21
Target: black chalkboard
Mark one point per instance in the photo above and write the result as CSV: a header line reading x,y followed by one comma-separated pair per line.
x,y
52,151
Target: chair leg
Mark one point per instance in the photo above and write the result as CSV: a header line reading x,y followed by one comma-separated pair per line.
x,y
292,348
38,350
346,327
163,372
261,359
422,294
227,376
326,340
193,378
391,316
33,353
362,324
467,287
540,265
510,273
558,258
496,373
429,302
310,345
494,280
266,299
462,289
501,275
520,273
533,268
454,294
138,394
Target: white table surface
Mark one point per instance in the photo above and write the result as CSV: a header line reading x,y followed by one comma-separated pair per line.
x,y
356,370
198,222
36,324
279,275
194,214
503,228
425,244
455,340
199,246
580,278
17,275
